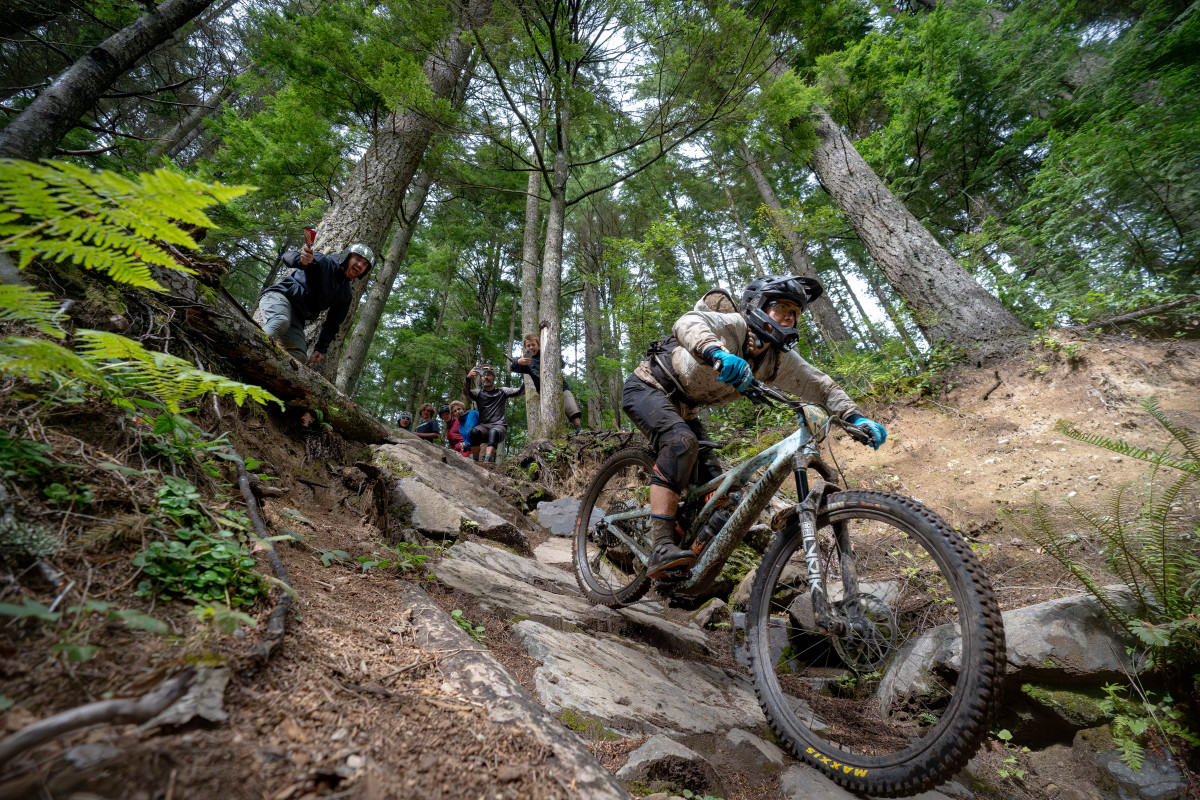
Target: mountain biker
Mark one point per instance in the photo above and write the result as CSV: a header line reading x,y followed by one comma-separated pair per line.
x,y
428,427
531,364
317,282
492,402
714,352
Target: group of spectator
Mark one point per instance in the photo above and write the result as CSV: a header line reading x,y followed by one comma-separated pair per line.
x,y
477,433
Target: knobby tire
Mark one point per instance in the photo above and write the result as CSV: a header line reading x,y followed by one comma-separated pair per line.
x,y
924,757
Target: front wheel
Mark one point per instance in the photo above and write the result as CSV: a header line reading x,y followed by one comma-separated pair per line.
x,y
892,690
609,556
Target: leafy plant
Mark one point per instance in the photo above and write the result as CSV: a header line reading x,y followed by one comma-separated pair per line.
x,y
1133,720
198,560
221,618
476,632
107,222
1147,543
22,457
1010,766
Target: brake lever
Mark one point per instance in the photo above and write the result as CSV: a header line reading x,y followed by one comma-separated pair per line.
x,y
861,435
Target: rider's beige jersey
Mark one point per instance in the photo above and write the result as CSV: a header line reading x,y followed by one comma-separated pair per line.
x,y
716,322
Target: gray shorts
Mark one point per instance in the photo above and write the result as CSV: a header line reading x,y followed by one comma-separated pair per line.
x,y
274,316
569,404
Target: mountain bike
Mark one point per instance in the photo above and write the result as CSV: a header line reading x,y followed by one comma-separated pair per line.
x,y
855,595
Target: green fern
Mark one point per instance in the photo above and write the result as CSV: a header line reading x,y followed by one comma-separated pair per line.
x,y
168,378
1147,544
101,220
24,304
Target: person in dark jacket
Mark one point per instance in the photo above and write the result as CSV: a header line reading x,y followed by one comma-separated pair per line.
x,y
493,402
531,364
317,282
428,427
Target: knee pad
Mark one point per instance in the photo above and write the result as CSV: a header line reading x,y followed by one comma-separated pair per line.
x,y
677,451
495,436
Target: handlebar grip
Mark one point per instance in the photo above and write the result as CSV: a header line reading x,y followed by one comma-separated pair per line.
x,y
861,434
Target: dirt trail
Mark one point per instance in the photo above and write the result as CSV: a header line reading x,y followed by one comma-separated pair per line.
x,y
354,706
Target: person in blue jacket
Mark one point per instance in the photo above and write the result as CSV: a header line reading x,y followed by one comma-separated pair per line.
x,y
317,282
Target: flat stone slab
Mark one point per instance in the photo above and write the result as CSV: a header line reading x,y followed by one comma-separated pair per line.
x,y
523,587
554,551
501,594
558,516
634,689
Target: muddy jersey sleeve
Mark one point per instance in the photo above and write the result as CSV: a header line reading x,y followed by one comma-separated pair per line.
x,y
514,391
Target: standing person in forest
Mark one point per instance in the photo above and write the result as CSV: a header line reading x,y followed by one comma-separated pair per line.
x,y
493,403
428,428
531,364
317,282
459,431
713,354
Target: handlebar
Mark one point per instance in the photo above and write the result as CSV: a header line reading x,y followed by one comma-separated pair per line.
x,y
760,394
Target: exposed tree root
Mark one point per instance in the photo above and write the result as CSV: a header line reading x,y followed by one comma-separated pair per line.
x,y
112,712
277,622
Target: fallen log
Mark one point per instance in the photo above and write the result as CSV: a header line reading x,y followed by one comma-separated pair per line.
x,y
211,313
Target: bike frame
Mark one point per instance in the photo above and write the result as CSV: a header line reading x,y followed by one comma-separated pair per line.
x,y
792,455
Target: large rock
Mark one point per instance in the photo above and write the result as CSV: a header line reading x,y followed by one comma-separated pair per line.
x,y
523,587
558,516
663,762
474,672
554,551
449,474
1069,639
440,516
753,749
1158,779
634,688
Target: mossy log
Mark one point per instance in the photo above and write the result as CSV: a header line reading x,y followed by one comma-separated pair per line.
x,y
216,317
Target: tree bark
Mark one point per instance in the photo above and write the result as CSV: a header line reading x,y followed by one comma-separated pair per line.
x,y
826,316
357,345
38,129
591,346
946,302
529,286
372,195
552,420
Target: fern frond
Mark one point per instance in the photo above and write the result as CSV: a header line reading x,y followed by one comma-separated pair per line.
x,y
37,359
162,375
25,304
126,526
1115,445
101,220
1186,438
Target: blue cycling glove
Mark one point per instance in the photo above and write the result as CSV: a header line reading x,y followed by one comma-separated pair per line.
x,y
877,431
734,369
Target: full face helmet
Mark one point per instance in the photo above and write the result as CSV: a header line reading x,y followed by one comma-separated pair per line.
x,y
760,292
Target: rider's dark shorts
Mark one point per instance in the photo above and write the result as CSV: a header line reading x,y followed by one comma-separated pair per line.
x,y
674,439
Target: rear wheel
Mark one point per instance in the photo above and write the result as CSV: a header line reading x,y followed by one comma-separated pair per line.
x,y
893,691
607,569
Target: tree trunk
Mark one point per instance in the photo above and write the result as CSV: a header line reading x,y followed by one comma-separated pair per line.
x,y
591,347
357,345
38,129
183,134
372,195
552,420
529,288
823,312
945,300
